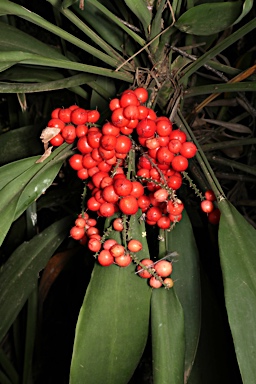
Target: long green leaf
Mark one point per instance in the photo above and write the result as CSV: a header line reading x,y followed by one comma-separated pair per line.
x,y
218,88
34,59
117,21
67,82
186,274
13,200
112,327
141,10
237,245
209,18
9,172
96,38
205,58
19,143
19,274
7,7
168,337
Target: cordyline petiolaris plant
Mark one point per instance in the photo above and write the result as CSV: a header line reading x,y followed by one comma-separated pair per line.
x,y
145,172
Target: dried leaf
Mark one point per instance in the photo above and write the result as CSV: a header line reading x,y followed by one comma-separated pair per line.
x,y
49,133
46,154
231,126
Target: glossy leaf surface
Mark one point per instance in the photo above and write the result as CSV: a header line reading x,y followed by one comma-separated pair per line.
x,y
186,274
26,185
19,274
168,337
209,18
112,327
237,244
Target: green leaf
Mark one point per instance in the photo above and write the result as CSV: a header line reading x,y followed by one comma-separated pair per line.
x,y
210,18
68,82
9,172
247,6
237,245
186,274
34,59
140,9
245,86
20,143
24,187
103,90
156,27
109,31
7,7
206,57
168,338
112,327
212,362
19,275
116,20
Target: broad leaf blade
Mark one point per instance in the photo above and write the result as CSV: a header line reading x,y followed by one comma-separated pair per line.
x,y
19,275
168,338
186,274
112,327
209,18
237,244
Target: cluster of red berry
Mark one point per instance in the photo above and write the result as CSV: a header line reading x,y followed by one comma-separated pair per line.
x,y
70,122
207,206
105,159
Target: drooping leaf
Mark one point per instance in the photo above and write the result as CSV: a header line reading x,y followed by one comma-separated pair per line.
x,y
247,6
209,18
19,143
186,274
26,185
168,337
237,245
19,274
113,323
8,7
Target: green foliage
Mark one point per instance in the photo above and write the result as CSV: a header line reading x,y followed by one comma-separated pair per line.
x,y
237,240
122,310
92,50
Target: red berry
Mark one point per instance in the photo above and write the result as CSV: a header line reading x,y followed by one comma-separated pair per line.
x,y
105,258
64,115
77,233
146,128
94,244
57,140
214,216
207,206
188,149
209,195
163,268
79,116
179,163
143,272
123,261
134,245
128,205
117,250
154,283
93,116
142,94
118,224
